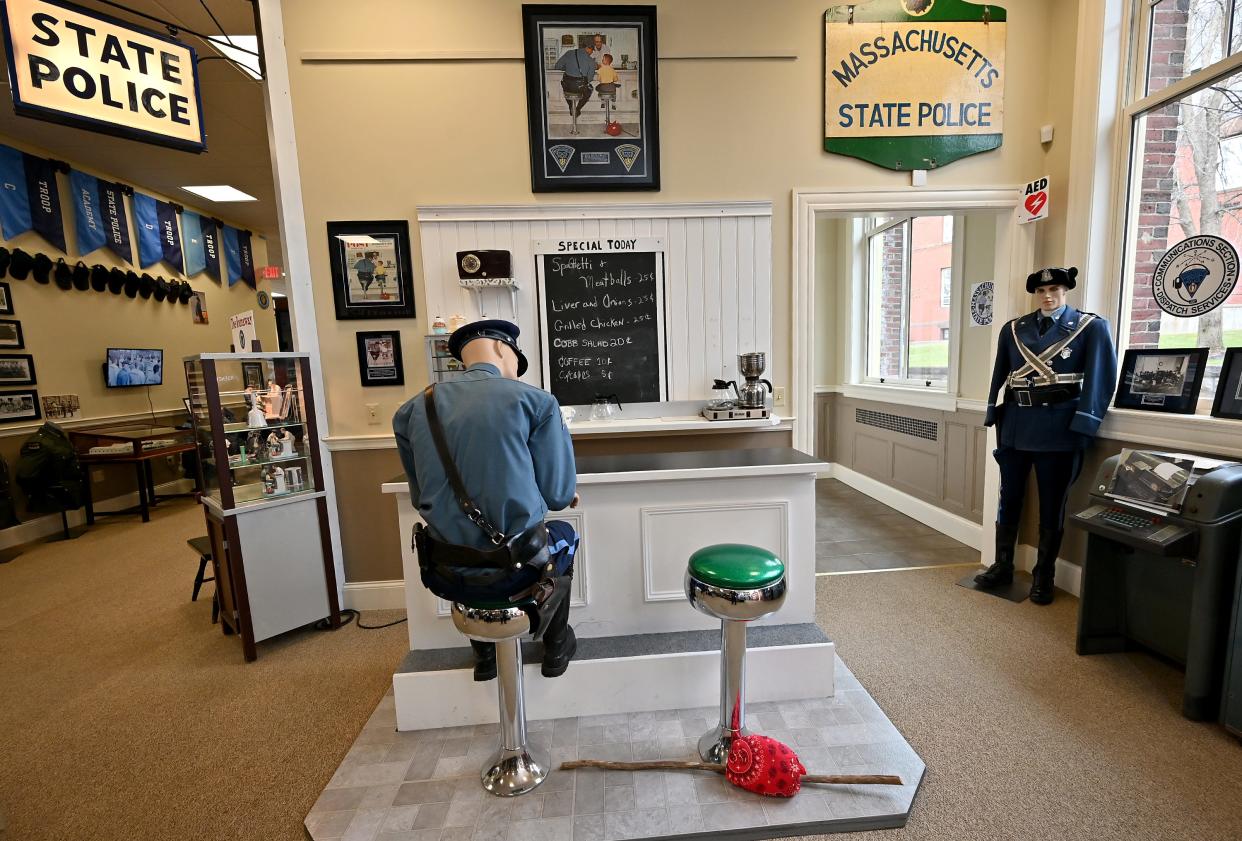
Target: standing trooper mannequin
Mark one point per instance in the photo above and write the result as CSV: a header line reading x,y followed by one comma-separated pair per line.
x,y
1059,370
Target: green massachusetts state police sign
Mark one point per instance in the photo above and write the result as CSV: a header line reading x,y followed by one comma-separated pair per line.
x,y
913,84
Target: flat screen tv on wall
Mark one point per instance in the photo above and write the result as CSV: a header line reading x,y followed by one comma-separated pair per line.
x,y
133,367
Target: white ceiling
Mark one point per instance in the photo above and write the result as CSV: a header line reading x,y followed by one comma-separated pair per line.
x,y
233,114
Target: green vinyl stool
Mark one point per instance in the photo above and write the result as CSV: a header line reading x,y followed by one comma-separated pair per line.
x,y
736,584
513,769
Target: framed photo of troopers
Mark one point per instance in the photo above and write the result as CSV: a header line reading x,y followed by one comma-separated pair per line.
x,y
371,274
591,97
16,369
1161,379
1228,402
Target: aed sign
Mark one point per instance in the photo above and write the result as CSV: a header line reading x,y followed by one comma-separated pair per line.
x,y
77,67
1034,201
914,84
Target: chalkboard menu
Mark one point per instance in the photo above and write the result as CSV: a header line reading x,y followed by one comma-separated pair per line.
x,y
601,312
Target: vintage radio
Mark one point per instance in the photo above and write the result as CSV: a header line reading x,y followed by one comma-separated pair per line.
x,y
483,263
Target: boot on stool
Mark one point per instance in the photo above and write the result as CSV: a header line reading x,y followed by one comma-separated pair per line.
x,y
1045,566
559,642
1000,573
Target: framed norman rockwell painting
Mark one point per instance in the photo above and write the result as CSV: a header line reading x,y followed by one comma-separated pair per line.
x,y
371,269
591,97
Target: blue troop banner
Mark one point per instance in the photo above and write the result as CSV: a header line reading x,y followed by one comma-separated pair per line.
x,y
246,258
146,217
90,224
211,247
232,254
192,242
44,196
14,199
170,235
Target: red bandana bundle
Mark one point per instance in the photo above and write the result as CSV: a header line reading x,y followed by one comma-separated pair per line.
x,y
764,766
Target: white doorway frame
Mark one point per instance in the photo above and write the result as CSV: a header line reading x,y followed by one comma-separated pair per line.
x,y
1015,258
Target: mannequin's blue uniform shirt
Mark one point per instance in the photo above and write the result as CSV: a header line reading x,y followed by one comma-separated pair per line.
x,y
510,446
1068,425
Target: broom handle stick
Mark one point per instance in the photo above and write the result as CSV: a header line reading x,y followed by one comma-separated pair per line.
x,y
677,764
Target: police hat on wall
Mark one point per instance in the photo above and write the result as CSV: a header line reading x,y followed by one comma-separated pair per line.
x,y
185,293
4,261
41,268
20,264
161,289
81,276
1047,277
146,286
174,291
495,328
99,277
116,281
132,282
63,273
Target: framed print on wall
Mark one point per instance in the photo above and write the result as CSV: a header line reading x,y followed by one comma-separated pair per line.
x,y
11,334
16,369
1228,402
1161,379
6,300
379,358
371,274
18,406
591,104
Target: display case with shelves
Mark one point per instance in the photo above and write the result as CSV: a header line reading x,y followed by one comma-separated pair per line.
x,y
441,366
253,418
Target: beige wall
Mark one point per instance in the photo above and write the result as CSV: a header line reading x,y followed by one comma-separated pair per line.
x,y
978,264
68,332
730,129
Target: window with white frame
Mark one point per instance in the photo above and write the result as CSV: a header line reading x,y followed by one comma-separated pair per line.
x,y
909,293
1184,117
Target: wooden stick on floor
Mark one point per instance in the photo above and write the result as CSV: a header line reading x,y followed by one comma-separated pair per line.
x,y
687,765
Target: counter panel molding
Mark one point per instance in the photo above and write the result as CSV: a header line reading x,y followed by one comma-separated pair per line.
x,y
671,534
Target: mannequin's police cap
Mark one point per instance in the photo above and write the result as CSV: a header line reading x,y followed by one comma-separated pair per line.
x,y
492,328
1046,277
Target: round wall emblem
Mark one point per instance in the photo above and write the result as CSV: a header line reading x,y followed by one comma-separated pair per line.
x,y
1195,276
981,304
917,8
265,300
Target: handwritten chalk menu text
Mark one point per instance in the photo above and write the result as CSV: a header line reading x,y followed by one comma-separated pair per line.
x,y
601,313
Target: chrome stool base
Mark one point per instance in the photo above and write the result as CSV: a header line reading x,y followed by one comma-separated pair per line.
x,y
714,745
514,772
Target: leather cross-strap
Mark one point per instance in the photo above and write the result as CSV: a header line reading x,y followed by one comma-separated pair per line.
x,y
495,535
1038,368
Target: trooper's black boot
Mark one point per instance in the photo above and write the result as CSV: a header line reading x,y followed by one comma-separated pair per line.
x,y
484,660
1000,573
559,642
1045,566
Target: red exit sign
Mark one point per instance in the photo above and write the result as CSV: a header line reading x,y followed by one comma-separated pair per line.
x,y
271,272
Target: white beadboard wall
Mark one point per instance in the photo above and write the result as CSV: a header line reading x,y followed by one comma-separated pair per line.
x,y
717,265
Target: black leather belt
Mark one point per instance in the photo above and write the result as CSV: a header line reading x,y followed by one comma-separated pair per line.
x,y
1045,395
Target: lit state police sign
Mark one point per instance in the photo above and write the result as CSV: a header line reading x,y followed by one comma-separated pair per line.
x,y
75,66
913,84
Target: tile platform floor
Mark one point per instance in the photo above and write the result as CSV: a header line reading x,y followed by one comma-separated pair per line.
x,y
855,533
424,785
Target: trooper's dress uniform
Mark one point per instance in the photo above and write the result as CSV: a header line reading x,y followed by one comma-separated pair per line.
x,y
1058,373
516,459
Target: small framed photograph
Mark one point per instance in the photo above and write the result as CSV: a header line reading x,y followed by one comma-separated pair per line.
x,y
591,105
16,406
16,369
379,358
60,407
252,376
6,300
371,269
198,307
11,334
1228,402
1161,380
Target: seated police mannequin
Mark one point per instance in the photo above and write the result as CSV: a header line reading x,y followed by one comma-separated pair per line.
x,y
1059,370
515,459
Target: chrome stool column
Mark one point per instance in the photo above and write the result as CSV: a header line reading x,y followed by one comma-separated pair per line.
x,y
735,583
575,102
514,769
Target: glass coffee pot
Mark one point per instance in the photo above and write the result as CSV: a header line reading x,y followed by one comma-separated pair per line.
x,y
720,398
601,407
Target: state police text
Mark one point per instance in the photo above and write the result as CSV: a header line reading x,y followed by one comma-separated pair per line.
x,y
906,114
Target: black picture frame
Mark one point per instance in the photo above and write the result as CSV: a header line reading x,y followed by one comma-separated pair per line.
x,y
252,376
9,326
6,299
373,369
1161,379
625,159
362,293
30,369
1228,400
10,413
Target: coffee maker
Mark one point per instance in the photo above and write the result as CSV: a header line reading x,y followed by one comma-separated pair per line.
x,y
752,401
